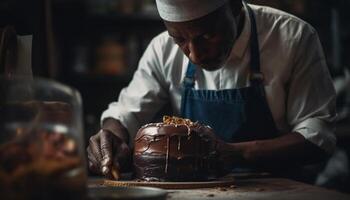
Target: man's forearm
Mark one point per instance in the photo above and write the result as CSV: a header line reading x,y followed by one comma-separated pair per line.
x,y
116,128
291,148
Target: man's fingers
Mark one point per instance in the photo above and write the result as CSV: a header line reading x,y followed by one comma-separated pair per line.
x,y
93,168
94,165
116,164
115,171
123,150
108,154
95,148
106,151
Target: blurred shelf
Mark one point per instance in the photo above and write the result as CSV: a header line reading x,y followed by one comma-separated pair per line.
x,y
77,79
126,18
80,30
138,23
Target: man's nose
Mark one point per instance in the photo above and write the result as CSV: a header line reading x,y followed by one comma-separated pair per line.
x,y
196,54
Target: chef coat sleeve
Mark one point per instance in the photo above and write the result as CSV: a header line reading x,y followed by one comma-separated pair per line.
x,y
145,95
311,106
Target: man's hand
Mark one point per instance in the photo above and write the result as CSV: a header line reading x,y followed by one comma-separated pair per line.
x,y
107,152
227,156
286,150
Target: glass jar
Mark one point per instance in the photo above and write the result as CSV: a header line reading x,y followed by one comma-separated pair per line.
x,y
41,140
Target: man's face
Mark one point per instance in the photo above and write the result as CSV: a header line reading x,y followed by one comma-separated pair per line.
x,y
207,41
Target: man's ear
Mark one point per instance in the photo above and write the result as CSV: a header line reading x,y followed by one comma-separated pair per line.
x,y
236,6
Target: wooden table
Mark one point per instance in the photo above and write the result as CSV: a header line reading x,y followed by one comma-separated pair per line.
x,y
253,187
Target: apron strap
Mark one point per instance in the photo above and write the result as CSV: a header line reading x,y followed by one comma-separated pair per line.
x,y
189,77
256,77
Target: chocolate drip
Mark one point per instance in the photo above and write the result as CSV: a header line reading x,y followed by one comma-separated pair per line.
x,y
196,155
167,155
188,130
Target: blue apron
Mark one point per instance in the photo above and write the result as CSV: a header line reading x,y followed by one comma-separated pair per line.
x,y
236,115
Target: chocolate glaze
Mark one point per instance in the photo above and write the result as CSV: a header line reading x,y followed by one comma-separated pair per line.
x,y
175,152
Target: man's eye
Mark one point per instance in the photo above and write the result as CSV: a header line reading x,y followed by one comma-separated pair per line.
x,y
208,36
179,40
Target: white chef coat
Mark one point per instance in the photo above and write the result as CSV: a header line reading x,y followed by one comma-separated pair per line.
x,y
298,85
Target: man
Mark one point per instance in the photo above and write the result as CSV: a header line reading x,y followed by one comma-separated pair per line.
x,y
255,74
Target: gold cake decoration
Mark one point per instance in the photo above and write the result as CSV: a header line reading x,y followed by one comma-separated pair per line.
x,y
172,120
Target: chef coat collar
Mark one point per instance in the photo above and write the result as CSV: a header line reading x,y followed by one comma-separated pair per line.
x,y
242,41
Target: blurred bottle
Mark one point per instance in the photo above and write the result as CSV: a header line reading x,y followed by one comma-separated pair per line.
x,y
110,58
81,59
41,143
149,7
113,6
15,53
127,6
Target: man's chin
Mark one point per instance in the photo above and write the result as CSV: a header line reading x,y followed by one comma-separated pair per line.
x,y
211,66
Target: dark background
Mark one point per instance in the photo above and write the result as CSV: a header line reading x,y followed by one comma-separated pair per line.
x,y
83,42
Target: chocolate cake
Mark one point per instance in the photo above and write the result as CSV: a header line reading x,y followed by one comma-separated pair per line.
x,y
175,150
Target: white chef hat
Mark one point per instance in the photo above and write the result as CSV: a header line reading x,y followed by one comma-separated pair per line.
x,y
186,10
